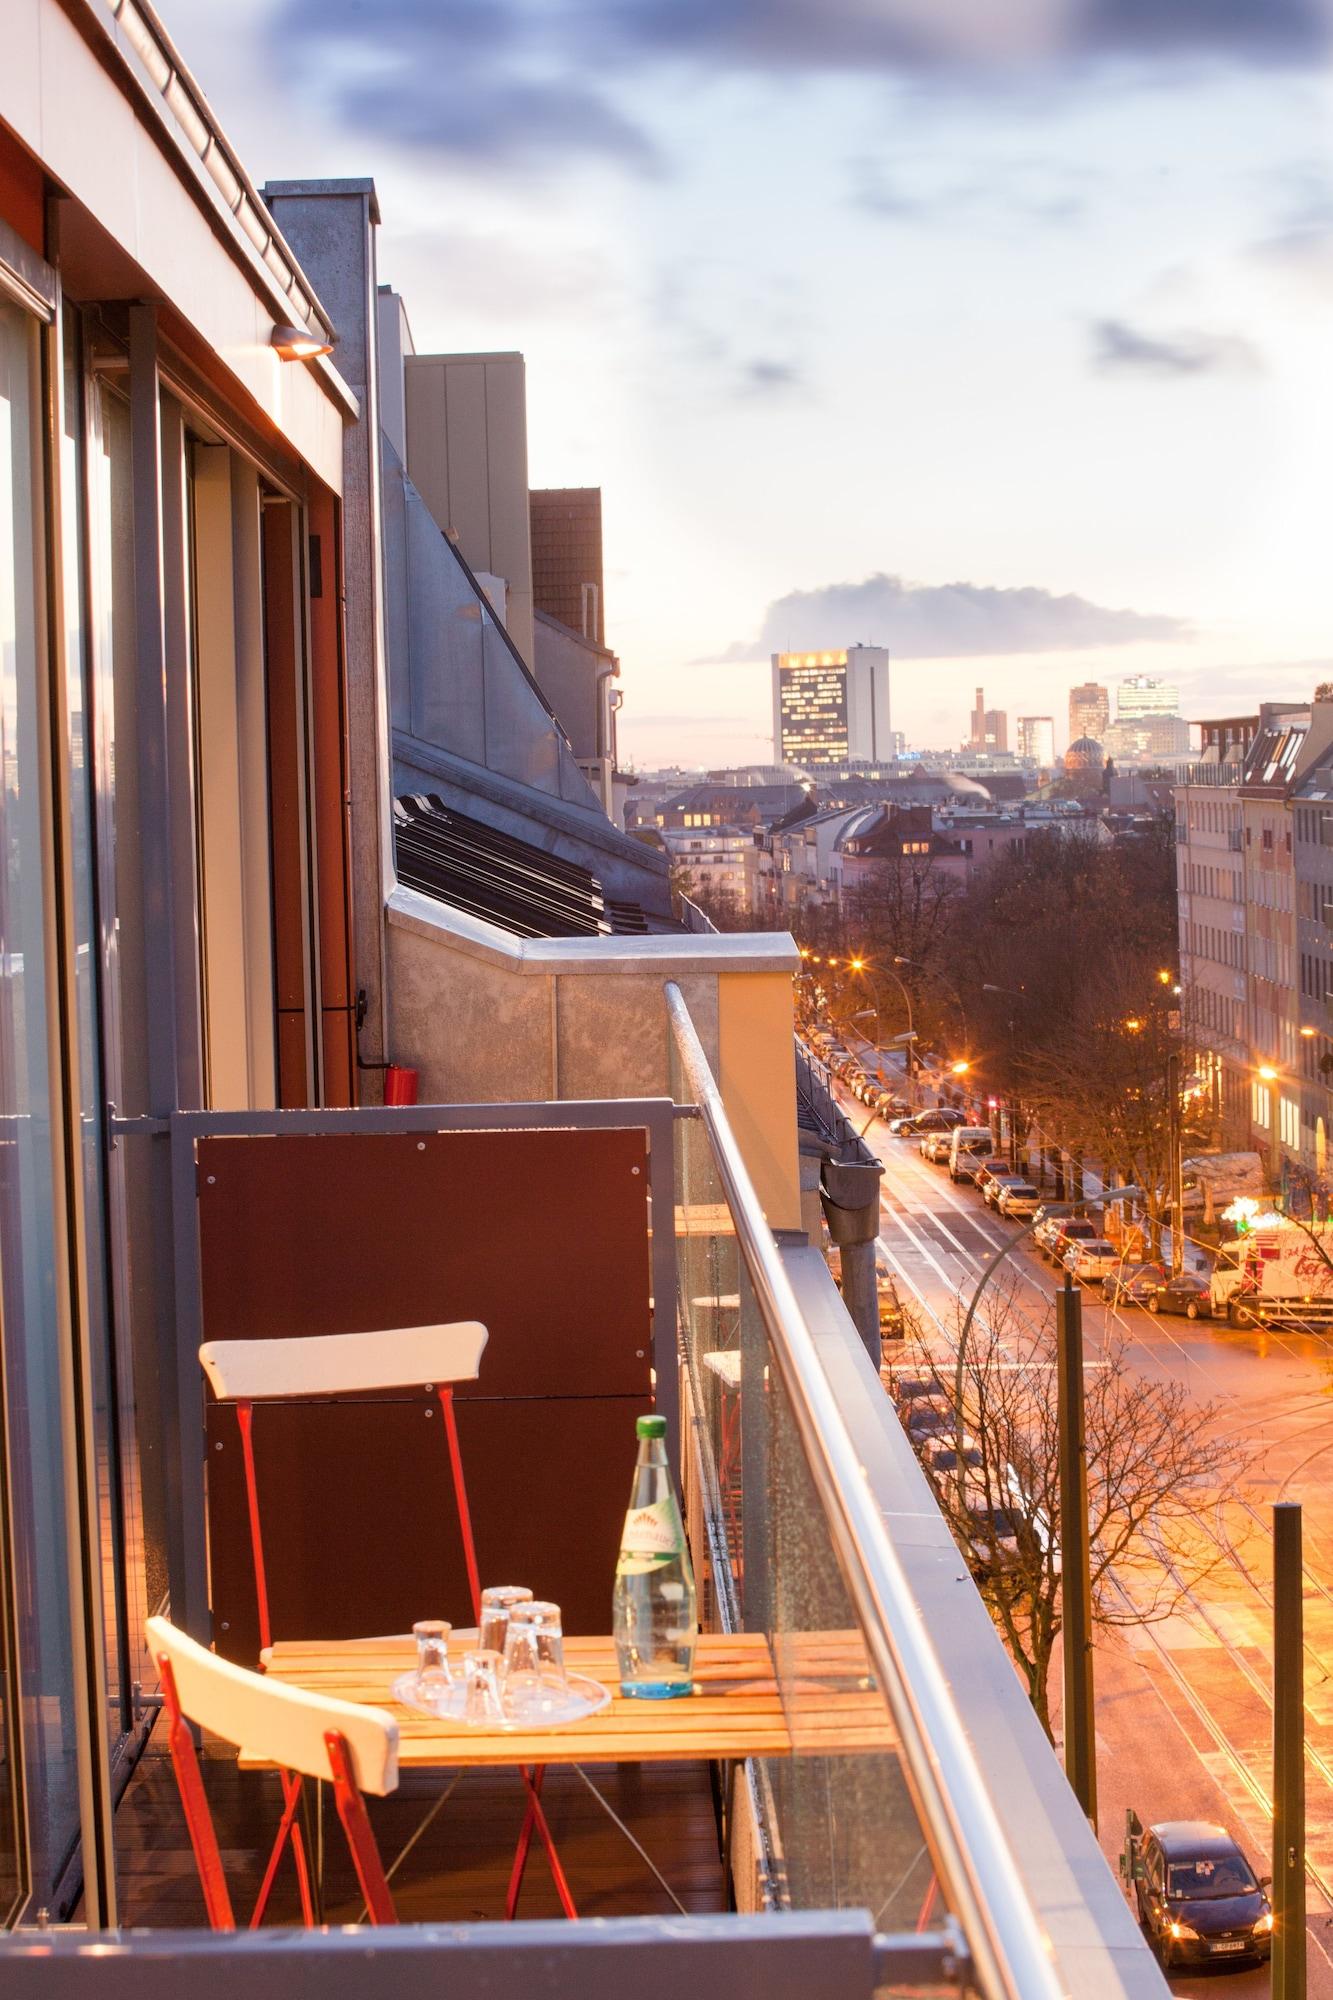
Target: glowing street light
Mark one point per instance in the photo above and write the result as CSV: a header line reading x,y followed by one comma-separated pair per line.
x,y
959,1068
1268,1073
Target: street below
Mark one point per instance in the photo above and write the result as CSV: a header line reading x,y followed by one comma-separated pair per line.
x,y
1184,1705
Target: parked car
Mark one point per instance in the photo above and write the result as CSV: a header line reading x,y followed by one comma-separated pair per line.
x,y
1049,1218
1133,1285
967,1145
1019,1201
1197,1896
1089,1259
935,1147
924,1121
994,1183
890,1105
940,1458
926,1420
983,1169
1072,1229
920,1389
890,1308
1190,1293
994,1537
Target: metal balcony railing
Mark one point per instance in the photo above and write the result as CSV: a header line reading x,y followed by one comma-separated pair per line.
x,y
799,1549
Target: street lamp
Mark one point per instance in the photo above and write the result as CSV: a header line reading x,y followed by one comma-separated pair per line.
x,y
1075,1547
860,965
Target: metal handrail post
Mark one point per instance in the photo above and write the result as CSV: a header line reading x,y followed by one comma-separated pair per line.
x,y
975,1863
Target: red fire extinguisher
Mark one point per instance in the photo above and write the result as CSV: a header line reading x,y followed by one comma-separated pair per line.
x,y
400,1082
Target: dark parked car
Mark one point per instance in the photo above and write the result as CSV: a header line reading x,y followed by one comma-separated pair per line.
x,y
1133,1285
928,1420
933,1121
1198,1899
920,1389
1190,1294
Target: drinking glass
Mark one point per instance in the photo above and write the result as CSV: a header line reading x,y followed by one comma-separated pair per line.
x,y
432,1677
482,1697
534,1659
497,1603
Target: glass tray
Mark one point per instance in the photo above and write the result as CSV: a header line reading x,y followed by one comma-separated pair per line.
x,y
584,1697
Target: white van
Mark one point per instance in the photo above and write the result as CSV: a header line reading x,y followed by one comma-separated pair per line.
x,y
968,1142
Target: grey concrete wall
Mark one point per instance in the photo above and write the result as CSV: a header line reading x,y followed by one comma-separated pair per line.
x,y
483,1033
572,674
468,721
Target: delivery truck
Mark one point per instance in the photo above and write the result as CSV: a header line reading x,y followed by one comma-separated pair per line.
x,y
1279,1273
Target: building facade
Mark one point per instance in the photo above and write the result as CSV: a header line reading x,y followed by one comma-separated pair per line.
x,y
1036,739
831,708
989,726
567,569
1089,711
1140,695
1251,880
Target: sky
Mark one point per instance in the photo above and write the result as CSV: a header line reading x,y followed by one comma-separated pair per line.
x,y
993,331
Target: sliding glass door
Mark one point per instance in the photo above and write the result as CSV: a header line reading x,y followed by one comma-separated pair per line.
x,y
40,1723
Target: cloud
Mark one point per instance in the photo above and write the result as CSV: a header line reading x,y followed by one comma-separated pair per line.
x,y
1025,190
766,377
920,621
483,82
1122,349
532,82
1253,30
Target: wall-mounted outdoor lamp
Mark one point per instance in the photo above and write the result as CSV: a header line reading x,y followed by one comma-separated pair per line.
x,y
298,343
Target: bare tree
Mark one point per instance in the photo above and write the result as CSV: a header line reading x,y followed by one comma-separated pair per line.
x,y
1151,1451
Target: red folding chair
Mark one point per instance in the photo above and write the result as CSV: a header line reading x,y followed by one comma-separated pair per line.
x,y
246,1372
347,1744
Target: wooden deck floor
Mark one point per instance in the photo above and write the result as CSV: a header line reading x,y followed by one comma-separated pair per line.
x,y
459,1869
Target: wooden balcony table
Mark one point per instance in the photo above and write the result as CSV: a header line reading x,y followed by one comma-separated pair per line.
x,y
827,1704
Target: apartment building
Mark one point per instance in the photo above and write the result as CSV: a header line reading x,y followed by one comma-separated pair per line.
x,y
1247,833
283,805
1311,811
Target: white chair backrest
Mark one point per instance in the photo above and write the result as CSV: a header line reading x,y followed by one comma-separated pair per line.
x,y
265,1718
340,1364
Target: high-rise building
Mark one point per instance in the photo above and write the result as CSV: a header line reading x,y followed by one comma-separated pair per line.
x,y
1036,739
567,557
1089,711
1148,736
990,726
831,708
1141,695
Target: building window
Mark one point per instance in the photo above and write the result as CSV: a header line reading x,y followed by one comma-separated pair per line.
x,y
1261,1109
1289,1116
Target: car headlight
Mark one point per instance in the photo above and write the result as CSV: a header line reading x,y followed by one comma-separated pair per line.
x,y
1264,1925
1179,1930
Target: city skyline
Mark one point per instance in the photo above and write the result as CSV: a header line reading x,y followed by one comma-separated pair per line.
x,y
1010,361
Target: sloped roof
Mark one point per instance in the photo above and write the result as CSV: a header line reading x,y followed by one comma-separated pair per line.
x,y
510,882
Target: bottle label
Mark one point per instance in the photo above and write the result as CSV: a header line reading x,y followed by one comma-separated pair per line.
x,y
654,1531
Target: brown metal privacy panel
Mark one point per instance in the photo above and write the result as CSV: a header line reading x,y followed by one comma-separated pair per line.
x,y
540,1234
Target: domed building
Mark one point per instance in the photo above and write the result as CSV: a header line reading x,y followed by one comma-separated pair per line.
x,y
1084,754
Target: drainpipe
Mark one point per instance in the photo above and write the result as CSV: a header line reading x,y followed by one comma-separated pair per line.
x,y
849,1194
